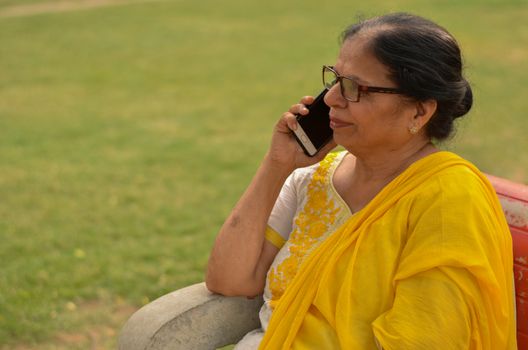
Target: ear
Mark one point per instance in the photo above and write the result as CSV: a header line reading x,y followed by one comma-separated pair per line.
x,y
424,112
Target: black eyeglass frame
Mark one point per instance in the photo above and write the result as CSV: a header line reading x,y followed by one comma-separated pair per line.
x,y
360,88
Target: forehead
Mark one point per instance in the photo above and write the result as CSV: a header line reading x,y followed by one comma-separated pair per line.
x,y
355,60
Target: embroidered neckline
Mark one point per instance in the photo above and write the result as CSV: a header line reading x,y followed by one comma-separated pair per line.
x,y
312,224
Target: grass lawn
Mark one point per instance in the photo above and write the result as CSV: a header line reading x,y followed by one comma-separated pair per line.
x,y
128,132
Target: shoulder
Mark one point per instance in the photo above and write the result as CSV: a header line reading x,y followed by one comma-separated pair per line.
x,y
445,173
459,197
461,179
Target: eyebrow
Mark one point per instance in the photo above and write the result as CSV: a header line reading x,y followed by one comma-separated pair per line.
x,y
353,77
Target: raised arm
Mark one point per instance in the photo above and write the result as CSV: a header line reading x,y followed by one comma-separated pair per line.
x,y
241,256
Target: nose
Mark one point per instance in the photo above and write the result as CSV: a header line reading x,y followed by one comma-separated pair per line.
x,y
333,97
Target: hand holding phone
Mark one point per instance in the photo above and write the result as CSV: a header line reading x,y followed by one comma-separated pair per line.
x,y
313,131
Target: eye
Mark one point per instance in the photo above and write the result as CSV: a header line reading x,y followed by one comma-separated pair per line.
x,y
350,88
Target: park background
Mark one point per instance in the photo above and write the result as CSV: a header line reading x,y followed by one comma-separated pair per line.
x,y
128,129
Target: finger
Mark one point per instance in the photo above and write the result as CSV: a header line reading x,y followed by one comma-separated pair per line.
x,y
288,122
307,100
298,108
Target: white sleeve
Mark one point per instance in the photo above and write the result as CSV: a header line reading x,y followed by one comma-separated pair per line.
x,y
281,217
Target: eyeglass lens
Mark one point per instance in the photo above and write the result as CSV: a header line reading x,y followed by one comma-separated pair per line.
x,y
349,88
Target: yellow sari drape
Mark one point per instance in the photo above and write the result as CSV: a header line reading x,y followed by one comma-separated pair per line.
x,y
427,264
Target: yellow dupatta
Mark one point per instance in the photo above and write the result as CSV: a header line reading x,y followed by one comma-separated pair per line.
x,y
427,264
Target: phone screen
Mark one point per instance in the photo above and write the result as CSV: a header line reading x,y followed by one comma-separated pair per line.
x,y
316,124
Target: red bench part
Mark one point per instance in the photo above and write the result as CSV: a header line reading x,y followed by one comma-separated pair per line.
x,y
514,201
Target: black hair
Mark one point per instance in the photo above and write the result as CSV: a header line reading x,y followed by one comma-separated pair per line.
x,y
424,61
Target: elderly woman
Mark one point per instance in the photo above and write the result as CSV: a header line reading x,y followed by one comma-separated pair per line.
x,y
389,244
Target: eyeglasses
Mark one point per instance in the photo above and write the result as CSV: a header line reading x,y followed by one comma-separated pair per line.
x,y
351,90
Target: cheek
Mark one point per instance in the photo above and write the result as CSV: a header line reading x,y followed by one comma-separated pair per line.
x,y
368,116
391,112
379,121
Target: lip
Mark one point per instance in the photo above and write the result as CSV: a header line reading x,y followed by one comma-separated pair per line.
x,y
336,123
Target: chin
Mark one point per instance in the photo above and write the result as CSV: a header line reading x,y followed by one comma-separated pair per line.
x,y
341,139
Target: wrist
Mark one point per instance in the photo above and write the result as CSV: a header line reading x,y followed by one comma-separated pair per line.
x,y
277,166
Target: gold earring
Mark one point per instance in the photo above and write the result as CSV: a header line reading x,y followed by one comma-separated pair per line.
x,y
413,129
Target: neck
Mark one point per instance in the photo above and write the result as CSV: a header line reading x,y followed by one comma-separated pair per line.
x,y
385,166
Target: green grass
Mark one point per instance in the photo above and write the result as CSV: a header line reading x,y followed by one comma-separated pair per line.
x,y
128,133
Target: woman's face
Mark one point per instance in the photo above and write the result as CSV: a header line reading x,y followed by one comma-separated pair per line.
x,y
379,122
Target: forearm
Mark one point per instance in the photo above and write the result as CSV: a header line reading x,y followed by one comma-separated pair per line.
x,y
240,258
233,267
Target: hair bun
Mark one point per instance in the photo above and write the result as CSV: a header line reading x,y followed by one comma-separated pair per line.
x,y
465,103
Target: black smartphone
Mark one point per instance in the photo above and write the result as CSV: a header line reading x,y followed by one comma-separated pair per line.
x,y
313,131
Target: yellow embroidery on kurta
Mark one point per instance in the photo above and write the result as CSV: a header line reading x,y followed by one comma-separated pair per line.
x,y
311,225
